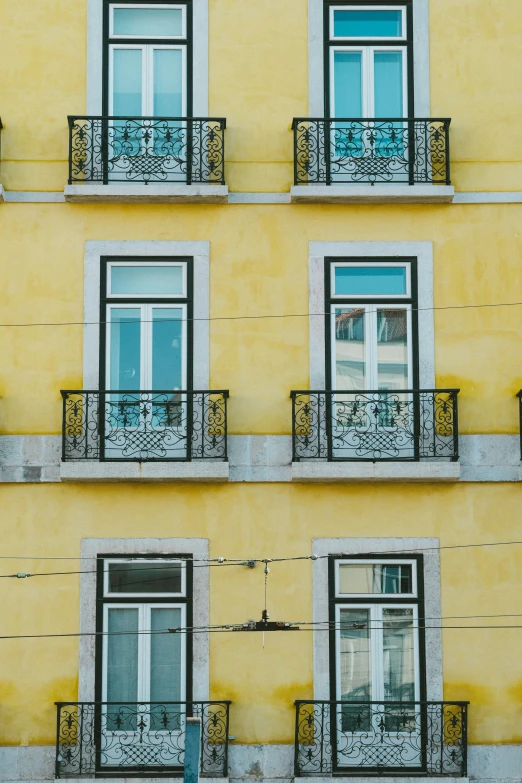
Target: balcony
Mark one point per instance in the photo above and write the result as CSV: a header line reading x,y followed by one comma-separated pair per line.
x,y
140,740
375,435
375,161
110,435
381,738
146,160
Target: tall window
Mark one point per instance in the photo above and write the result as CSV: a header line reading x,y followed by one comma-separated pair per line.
x,y
147,59
141,666
368,50
376,611
147,307
371,329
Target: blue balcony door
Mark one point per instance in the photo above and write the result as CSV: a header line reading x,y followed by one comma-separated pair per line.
x,y
147,81
146,352
369,83
142,663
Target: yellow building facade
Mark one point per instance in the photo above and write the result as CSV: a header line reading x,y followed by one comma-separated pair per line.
x,y
259,433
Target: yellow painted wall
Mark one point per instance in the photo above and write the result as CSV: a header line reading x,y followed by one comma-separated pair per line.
x,y
259,266
258,80
482,665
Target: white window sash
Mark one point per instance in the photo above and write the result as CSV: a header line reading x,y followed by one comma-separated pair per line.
x,y
400,8
368,78
143,564
162,6
170,264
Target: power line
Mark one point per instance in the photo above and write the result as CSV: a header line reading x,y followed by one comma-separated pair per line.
x,y
256,317
245,560
244,627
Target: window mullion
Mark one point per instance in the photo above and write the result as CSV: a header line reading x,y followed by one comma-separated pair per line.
x,y
378,654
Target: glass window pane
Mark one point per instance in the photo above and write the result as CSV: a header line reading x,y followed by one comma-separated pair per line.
x,y
355,651
160,22
125,348
347,84
374,578
388,85
141,577
127,83
350,348
167,348
399,654
370,281
367,24
392,349
122,668
146,279
165,656
168,80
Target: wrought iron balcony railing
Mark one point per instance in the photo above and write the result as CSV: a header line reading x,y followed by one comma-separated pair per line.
x,y
376,738
150,150
371,151
373,426
138,739
144,426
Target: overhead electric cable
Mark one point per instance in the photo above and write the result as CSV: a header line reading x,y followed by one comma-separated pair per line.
x,y
256,317
244,560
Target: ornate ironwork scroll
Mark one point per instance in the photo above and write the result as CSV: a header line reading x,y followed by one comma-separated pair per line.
x,y
371,151
375,425
146,149
144,426
138,739
381,737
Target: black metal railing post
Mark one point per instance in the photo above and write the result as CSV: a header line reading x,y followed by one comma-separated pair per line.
x,y
410,124
455,407
70,123
328,152
519,395
447,124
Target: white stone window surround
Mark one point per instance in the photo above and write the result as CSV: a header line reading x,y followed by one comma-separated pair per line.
x,y
199,64
94,250
90,549
430,548
421,57
423,251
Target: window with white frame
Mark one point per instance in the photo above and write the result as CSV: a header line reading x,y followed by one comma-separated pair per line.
x,y
368,54
377,612
146,305
140,660
147,57
372,324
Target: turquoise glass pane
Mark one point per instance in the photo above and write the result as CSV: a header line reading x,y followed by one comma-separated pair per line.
x,y
388,84
122,668
127,83
125,349
146,280
165,655
167,348
348,84
168,88
160,22
370,281
367,24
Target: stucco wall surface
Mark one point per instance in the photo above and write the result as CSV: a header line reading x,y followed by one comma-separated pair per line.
x,y
258,80
262,520
259,267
